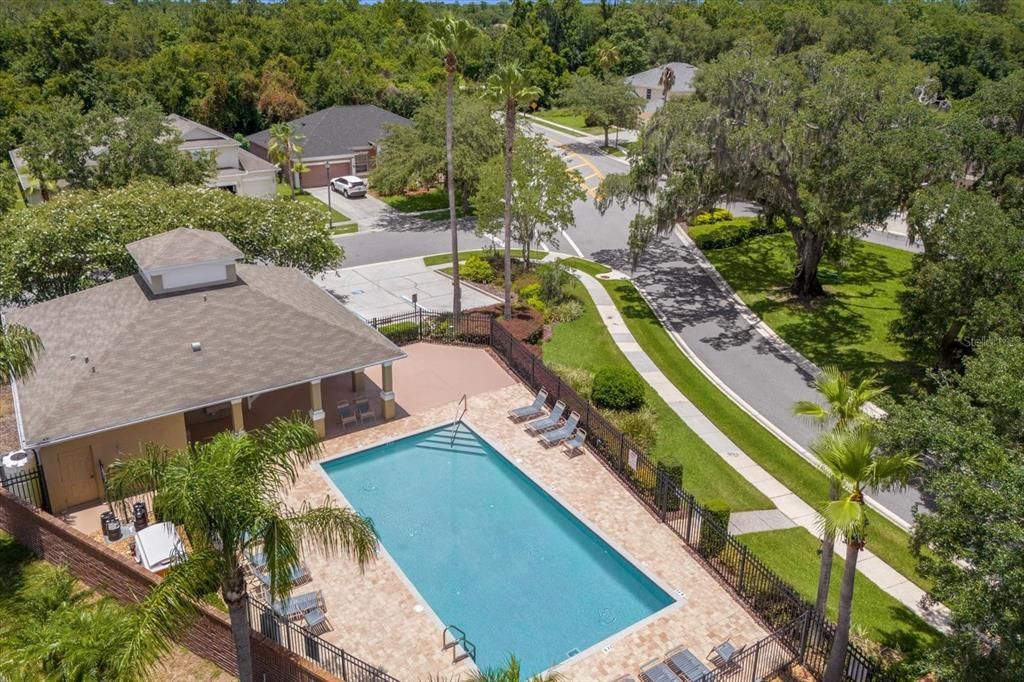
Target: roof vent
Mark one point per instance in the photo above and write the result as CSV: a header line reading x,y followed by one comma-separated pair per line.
x,y
196,346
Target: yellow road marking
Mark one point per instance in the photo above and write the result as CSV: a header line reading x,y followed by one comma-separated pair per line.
x,y
580,162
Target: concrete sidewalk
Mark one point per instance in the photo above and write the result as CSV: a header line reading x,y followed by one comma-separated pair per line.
x,y
798,512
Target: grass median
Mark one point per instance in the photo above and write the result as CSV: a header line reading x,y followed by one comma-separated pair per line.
x,y
586,343
442,258
888,541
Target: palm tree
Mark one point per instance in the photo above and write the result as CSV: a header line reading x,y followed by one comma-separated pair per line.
x,y
451,38
19,348
845,400
851,457
283,147
511,673
507,87
226,495
607,57
666,81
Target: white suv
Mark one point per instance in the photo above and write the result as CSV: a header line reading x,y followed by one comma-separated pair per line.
x,y
349,186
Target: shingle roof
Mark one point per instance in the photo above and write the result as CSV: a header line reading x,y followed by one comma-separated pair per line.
x,y
684,73
114,355
182,246
337,130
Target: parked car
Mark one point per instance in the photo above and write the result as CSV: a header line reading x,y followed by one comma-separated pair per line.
x,y
349,186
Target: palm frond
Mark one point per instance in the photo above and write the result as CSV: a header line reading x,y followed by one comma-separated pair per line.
x,y
19,348
332,529
845,518
281,548
138,474
278,451
809,408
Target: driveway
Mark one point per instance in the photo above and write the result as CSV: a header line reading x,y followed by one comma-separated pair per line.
x,y
387,289
368,212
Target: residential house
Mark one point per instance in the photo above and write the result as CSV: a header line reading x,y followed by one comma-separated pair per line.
x,y
237,170
343,137
649,84
194,344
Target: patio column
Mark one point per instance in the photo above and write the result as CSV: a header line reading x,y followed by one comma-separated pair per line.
x,y
358,380
387,392
237,421
316,408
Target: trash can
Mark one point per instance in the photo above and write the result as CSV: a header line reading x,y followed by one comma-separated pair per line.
x,y
140,515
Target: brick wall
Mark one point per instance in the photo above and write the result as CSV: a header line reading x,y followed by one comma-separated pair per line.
x,y
92,563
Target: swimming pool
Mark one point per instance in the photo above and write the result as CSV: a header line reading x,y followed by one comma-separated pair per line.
x,y
491,552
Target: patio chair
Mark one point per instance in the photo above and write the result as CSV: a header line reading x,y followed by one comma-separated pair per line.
x,y
657,671
366,413
299,605
555,437
548,422
686,664
532,410
574,445
346,414
725,653
316,622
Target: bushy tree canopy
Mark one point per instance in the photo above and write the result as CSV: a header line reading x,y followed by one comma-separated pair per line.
x,y
78,239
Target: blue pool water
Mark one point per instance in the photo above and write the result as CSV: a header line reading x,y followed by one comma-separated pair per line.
x,y
491,552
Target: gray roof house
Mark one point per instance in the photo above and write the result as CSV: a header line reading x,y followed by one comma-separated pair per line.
x,y
648,84
194,344
237,170
343,136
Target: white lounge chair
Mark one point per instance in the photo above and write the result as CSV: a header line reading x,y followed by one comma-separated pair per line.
x,y
299,605
532,410
556,436
316,622
548,422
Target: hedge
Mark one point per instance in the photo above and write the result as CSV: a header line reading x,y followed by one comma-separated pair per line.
x,y
401,332
618,388
732,233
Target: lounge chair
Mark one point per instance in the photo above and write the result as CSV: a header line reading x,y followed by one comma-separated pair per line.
x,y
532,410
299,605
316,622
656,671
575,444
548,422
366,413
686,664
298,576
346,414
556,436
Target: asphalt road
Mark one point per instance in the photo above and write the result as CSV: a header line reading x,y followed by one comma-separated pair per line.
x,y
711,323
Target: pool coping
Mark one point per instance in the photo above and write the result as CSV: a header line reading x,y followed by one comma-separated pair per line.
x,y
679,598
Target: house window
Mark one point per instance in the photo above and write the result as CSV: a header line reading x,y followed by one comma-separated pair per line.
x,y
362,163
648,93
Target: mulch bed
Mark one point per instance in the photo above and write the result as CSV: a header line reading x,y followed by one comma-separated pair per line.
x,y
8,425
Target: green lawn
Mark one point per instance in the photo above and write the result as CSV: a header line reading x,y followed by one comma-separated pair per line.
x,y
849,327
434,199
888,540
284,192
566,118
790,552
439,258
586,343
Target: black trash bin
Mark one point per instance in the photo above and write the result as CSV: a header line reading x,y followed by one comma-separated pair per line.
x,y
141,515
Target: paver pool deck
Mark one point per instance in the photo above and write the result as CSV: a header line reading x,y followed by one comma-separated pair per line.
x,y
379,618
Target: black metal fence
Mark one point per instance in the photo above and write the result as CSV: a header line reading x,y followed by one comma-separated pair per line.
x,y
301,642
423,325
123,508
30,486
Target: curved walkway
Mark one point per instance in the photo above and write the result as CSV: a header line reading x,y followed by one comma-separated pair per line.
x,y
797,511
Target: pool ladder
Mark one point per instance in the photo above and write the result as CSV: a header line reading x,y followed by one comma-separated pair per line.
x,y
460,412
457,639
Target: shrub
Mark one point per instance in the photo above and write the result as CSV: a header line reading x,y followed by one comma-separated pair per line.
x,y
667,497
618,388
640,426
712,539
476,269
717,215
553,279
732,233
400,332
531,296
579,379
567,311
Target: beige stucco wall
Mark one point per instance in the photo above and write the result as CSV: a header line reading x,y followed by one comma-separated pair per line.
x,y
108,446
